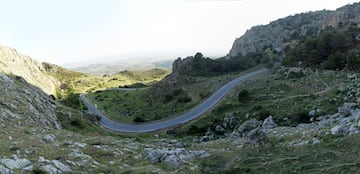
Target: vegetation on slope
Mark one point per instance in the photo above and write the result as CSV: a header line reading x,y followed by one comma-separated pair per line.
x,y
331,49
198,65
287,99
74,83
333,155
149,104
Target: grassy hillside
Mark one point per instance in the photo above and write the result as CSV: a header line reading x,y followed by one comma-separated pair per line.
x,y
287,99
149,104
72,83
333,155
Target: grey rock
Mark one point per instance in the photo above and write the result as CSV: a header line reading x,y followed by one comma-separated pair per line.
x,y
201,154
174,160
153,155
229,121
314,112
49,138
30,151
15,162
345,109
50,169
204,138
338,130
78,154
4,170
43,160
219,129
174,156
353,130
248,126
255,136
315,141
72,144
28,168
268,124
352,76
299,142
61,166
179,145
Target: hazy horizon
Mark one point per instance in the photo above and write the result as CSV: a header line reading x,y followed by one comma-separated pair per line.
x,y
67,32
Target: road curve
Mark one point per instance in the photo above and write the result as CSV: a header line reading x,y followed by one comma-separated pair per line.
x,y
154,126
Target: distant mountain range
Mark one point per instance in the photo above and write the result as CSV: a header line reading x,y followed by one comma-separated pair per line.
x,y
117,66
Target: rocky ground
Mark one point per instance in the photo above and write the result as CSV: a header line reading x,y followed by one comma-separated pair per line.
x,y
35,141
346,121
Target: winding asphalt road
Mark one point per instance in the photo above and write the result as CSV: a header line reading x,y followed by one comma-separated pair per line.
x,y
181,119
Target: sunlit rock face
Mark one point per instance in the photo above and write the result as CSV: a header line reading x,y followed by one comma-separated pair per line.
x,y
14,63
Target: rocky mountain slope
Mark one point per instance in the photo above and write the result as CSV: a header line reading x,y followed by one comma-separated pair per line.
x,y
32,139
25,105
12,62
281,32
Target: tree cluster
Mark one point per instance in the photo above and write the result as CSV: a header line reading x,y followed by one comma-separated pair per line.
x,y
206,66
331,49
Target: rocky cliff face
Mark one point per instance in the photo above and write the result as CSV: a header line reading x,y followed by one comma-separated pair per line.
x,y
25,105
12,62
281,32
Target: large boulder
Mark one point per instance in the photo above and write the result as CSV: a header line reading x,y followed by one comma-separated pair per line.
x,y
248,126
251,131
219,129
255,136
174,156
268,124
61,166
346,108
49,138
15,163
338,130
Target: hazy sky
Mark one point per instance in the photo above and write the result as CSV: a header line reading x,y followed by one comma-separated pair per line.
x,y
65,31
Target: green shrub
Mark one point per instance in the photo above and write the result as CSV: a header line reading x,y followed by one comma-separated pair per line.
x,y
138,119
77,122
243,95
184,99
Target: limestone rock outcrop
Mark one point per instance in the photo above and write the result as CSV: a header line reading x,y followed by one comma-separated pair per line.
x,y
33,71
284,31
21,101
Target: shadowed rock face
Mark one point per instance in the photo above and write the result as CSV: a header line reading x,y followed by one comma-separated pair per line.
x,y
281,32
23,101
14,63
